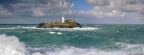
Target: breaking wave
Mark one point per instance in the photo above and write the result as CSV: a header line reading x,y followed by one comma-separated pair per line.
x,y
10,45
81,51
62,29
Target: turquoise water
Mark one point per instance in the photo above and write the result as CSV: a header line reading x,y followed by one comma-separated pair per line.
x,y
92,39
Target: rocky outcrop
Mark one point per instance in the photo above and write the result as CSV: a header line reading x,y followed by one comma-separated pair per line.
x,y
66,24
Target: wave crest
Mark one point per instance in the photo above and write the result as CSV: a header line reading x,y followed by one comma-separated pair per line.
x,y
10,45
62,29
80,51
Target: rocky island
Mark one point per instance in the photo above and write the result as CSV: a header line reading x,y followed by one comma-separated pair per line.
x,y
60,24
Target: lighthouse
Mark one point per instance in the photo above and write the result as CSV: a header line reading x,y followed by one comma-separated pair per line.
x,y
63,19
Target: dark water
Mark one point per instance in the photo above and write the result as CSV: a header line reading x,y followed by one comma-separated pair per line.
x,y
92,39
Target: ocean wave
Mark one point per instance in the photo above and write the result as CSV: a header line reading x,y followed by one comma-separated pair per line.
x,y
59,33
74,29
62,29
10,45
128,49
132,47
81,51
8,28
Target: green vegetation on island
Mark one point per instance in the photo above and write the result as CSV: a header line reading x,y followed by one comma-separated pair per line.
x,y
60,24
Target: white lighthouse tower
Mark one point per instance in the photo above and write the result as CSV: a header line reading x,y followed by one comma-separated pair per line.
x,y
63,19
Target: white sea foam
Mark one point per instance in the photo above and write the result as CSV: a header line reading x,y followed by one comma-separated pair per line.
x,y
8,28
21,27
63,29
10,45
59,33
37,53
75,29
128,49
132,47
81,51
52,32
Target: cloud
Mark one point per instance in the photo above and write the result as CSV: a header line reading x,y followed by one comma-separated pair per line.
x,y
50,7
117,8
98,2
104,12
49,10
38,12
38,8
112,11
3,12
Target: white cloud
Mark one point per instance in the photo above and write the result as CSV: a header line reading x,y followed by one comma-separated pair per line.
x,y
98,2
4,12
35,9
38,12
101,12
38,8
41,9
117,8
51,8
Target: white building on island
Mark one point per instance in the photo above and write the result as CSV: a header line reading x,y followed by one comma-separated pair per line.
x,y
63,20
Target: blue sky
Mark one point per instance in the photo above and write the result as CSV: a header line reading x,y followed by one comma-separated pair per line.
x,y
82,11
82,5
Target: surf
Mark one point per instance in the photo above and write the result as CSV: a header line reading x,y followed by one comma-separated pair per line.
x,y
10,45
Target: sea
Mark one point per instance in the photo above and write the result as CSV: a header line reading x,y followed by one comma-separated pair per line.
x,y
92,39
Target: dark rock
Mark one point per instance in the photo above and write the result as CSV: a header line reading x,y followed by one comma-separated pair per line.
x,y
66,24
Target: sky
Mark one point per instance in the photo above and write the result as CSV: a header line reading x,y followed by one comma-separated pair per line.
x,y
82,11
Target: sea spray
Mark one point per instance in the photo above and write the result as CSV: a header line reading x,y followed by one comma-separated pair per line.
x,y
10,45
65,50
105,39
